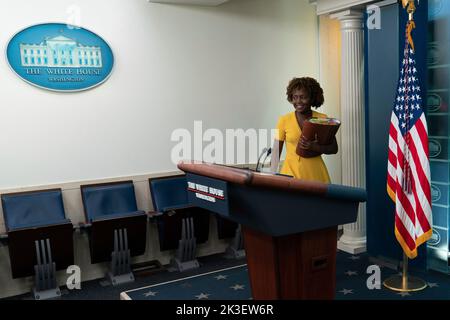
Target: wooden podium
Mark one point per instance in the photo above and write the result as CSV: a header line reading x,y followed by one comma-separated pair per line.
x,y
289,225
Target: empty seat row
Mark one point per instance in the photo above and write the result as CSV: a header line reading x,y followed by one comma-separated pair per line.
x,y
40,236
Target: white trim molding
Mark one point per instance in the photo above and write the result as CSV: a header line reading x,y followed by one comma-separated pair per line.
x,y
332,6
191,2
348,14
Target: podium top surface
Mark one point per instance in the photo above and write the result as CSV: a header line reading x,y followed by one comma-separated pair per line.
x,y
259,179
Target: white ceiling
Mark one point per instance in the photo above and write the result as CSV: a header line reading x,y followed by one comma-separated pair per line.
x,y
195,2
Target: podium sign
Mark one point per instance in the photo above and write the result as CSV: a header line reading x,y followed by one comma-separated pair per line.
x,y
208,193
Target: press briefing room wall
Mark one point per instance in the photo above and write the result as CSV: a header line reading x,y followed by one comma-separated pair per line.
x,y
383,52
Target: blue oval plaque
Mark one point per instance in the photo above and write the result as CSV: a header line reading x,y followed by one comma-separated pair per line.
x,y
60,57
435,148
435,238
435,193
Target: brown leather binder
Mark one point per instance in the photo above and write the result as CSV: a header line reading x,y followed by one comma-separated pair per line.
x,y
322,129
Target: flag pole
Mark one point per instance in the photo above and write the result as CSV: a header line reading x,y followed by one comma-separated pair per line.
x,y
405,271
403,282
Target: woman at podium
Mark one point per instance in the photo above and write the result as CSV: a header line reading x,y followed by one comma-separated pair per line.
x,y
303,93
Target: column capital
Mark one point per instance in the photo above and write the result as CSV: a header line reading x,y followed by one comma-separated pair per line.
x,y
350,19
350,14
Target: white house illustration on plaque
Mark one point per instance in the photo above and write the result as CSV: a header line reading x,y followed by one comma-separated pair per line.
x,y
60,51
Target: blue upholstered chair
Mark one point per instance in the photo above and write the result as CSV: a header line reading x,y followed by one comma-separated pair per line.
x,y
40,238
170,201
118,230
169,196
109,201
169,193
180,226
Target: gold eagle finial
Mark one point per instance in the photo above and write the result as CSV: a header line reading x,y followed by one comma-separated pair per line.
x,y
410,7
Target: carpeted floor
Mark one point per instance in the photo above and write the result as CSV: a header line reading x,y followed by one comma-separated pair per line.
x,y
223,279
225,284
101,289
352,277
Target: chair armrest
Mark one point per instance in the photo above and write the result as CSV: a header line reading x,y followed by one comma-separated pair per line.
x,y
83,225
175,208
3,236
4,239
168,210
118,215
40,225
153,214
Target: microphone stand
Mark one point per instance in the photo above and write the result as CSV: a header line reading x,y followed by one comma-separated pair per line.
x,y
259,159
268,152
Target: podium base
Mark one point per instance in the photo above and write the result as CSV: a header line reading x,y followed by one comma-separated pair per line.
x,y
397,283
299,266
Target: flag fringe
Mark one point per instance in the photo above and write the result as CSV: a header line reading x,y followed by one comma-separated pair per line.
x,y
391,193
411,254
424,238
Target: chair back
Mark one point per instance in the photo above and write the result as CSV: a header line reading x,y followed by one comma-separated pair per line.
x,y
108,199
168,192
33,209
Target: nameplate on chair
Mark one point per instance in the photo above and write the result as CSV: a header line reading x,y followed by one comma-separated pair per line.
x,y
207,193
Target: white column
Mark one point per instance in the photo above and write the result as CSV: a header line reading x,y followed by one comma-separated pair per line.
x,y
352,146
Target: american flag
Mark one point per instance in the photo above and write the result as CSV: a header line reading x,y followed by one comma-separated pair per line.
x,y
408,178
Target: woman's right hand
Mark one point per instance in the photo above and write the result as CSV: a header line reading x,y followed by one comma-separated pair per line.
x,y
308,144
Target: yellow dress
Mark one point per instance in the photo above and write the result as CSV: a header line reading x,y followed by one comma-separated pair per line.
x,y
294,165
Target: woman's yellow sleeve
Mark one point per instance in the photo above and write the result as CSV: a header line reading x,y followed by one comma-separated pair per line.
x,y
280,132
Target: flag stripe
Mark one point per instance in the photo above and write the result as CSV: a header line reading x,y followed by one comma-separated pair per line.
x,y
404,218
421,127
418,172
405,233
405,202
422,179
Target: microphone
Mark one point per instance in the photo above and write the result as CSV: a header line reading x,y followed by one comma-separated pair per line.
x,y
265,151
